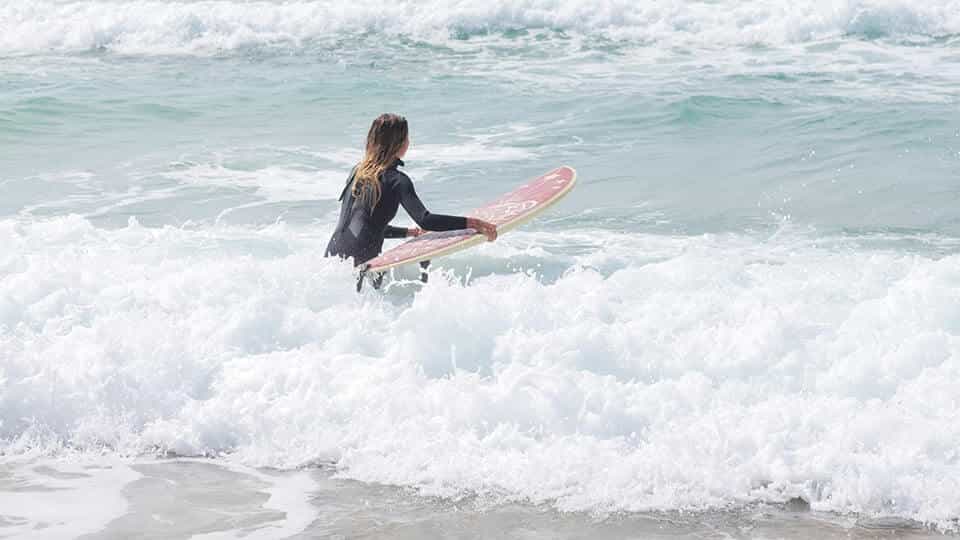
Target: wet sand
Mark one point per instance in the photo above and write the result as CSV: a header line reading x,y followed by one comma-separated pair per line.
x,y
206,499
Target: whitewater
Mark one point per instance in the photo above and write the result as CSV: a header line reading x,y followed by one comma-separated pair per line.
x,y
744,321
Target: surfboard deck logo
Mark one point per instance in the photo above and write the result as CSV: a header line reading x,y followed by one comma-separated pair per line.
x,y
507,212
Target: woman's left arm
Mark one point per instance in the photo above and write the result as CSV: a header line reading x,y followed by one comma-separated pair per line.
x,y
395,232
423,217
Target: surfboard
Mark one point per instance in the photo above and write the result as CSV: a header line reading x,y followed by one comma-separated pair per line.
x,y
507,212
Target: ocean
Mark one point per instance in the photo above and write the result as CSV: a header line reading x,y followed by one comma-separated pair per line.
x,y
744,322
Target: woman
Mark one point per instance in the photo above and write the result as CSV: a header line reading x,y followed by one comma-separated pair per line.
x,y
376,189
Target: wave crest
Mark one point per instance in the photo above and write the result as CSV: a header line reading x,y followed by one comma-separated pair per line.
x,y
151,26
692,372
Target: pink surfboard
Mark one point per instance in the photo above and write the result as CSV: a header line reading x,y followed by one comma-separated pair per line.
x,y
507,212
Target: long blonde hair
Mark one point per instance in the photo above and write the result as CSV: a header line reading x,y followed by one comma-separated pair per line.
x,y
386,137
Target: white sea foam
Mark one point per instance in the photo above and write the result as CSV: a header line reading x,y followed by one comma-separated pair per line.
x,y
154,26
56,499
289,495
476,149
469,152
655,373
272,183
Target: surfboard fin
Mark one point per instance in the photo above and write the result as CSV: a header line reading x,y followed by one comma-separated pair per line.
x,y
363,274
375,281
424,266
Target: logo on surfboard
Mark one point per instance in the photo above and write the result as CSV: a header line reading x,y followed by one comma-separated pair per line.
x,y
500,213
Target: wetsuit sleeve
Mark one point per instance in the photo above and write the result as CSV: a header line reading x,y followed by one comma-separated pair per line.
x,y
394,232
427,221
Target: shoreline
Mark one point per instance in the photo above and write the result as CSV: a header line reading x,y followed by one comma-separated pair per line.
x,y
202,498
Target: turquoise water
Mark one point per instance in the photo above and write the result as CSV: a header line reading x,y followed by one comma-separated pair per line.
x,y
752,295
849,132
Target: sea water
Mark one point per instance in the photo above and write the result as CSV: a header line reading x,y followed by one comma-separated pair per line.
x,y
751,299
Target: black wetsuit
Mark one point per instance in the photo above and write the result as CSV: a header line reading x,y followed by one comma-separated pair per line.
x,y
361,230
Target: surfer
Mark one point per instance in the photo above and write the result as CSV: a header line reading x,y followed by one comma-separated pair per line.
x,y
375,190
